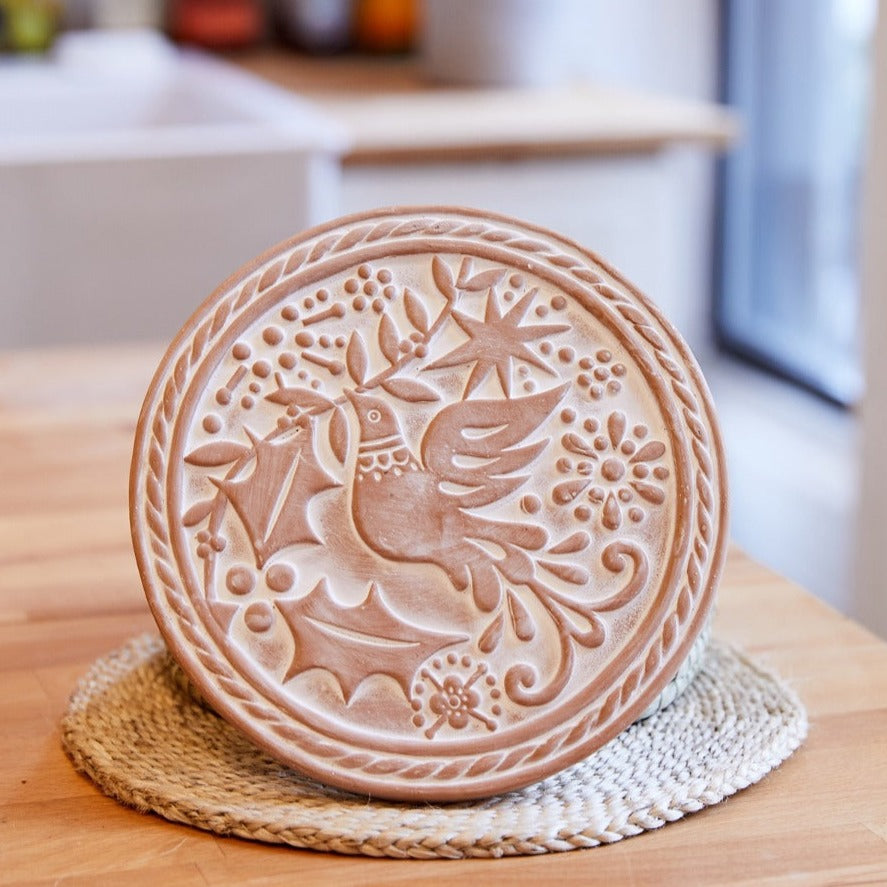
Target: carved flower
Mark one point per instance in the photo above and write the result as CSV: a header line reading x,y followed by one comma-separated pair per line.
x,y
456,701
600,375
615,469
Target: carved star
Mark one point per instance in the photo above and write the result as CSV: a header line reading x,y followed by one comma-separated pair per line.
x,y
496,341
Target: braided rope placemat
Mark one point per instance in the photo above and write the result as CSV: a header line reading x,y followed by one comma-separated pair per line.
x,y
133,727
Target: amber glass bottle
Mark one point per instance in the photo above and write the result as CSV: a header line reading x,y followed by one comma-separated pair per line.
x,y
385,25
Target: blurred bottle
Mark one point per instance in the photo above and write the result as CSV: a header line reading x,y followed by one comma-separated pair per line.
x,y
28,25
385,25
126,13
527,43
217,24
319,26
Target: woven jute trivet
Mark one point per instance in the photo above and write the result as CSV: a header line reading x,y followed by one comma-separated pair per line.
x,y
135,729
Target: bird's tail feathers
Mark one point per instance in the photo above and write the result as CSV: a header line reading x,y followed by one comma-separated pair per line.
x,y
515,565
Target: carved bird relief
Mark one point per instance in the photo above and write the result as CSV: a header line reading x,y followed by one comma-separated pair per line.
x,y
421,509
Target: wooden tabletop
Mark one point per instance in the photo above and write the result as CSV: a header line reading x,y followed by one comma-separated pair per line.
x,y
69,592
391,113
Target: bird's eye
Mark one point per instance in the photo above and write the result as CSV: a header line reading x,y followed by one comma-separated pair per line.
x,y
374,415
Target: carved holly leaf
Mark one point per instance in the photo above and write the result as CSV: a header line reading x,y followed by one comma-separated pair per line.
x,y
410,390
272,502
353,643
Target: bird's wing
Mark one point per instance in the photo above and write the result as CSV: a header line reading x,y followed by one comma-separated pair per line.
x,y
475,444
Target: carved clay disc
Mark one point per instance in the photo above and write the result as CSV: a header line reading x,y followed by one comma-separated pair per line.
x,y
429,503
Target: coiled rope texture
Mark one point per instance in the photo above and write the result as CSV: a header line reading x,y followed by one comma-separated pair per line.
x,y
133,727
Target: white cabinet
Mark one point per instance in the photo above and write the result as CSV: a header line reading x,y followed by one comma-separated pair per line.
x,y
647,213
135,177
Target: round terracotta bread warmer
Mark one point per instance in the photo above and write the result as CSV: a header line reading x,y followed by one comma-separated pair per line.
x,y
429,503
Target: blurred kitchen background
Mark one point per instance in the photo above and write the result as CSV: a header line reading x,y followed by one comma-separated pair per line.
x,y
727,155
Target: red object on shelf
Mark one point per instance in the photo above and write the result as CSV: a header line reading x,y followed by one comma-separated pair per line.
x,y
218,24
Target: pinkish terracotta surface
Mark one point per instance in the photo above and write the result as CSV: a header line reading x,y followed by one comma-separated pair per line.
x,y
430,503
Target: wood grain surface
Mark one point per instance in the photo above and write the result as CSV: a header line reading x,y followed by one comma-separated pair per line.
x,y
391,114
69,592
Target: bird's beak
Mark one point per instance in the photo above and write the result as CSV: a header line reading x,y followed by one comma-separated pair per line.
x,y
356,399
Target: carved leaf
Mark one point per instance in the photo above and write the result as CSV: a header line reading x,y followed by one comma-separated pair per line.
x,y
356,358
577,542
492,635
612,515
410,390
521,620
389,339
464,271
484,280
338,435
305,398
416,312
196,513
272,502
443,277
220,452
649,452
353,643
575,444
568,490
652,494
616,428
571,573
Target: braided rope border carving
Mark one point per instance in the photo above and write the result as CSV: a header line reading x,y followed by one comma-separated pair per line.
x,y
277,273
